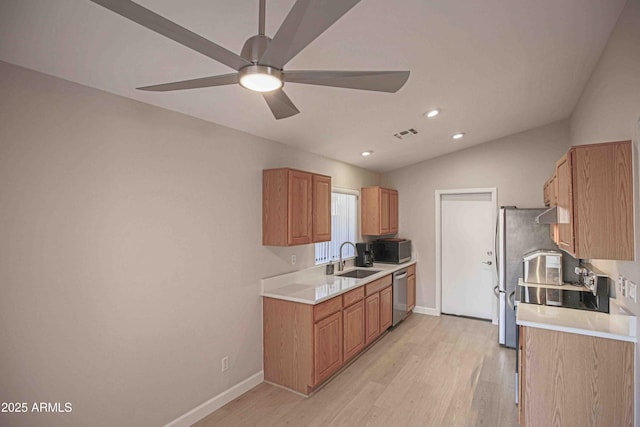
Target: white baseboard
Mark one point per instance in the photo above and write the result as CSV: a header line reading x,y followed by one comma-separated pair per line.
x,y
426,310
217,402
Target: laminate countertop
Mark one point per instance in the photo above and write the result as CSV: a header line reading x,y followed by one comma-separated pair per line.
x,y
312,286
618,324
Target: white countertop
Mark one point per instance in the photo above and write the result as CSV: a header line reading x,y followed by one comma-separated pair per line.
x,y
617,325
312,286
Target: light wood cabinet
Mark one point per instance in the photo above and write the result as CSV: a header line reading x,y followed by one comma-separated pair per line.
x,y
572,379
386,308
354,339
372,317
565,204
551,199
393,211
327,337
321,209
549,191
306,344
296,207
378,211
595,201
411,287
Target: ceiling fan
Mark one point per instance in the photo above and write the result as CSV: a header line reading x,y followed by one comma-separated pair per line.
x,y
260,65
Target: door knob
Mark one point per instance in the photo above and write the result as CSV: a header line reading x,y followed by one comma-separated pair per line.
x,y
487,262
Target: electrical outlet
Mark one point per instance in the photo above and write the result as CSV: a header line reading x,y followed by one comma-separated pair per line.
x,y
225,363
624,287
293,260
632,291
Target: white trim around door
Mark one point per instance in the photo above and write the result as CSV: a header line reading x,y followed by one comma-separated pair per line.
x,y
438,230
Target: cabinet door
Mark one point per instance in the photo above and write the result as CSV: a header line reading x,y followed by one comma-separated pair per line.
x,y
393,211
553,197
372,317
384,211
521,374
411,292
603,201
299,208
565,203
353,319
545,194
321,208
327,336
386,308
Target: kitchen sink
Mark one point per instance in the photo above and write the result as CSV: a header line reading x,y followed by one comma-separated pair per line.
x,y
359,273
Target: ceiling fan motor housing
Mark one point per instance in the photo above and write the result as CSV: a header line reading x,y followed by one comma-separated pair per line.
x,y
255,47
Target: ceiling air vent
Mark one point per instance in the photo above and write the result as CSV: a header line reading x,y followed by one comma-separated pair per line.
x,y
405,133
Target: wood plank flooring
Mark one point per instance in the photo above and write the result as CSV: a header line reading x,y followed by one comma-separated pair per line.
x,y
430,371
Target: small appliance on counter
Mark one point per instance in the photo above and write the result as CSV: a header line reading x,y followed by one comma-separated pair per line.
x,y
591,293
544,267
392,250
365,255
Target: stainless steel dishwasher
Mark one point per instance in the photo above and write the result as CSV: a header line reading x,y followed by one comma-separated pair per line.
x,y
399,296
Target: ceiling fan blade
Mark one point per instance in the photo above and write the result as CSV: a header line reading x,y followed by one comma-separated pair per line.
x,y
221,80
175,32
381,81
306,20
280,104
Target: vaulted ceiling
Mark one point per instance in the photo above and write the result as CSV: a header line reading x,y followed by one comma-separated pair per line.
x,y
494,67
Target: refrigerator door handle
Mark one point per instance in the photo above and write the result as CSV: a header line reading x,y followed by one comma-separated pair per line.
x,y
511,300
496,291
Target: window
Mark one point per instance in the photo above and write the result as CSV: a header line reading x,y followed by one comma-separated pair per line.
x,y
344,224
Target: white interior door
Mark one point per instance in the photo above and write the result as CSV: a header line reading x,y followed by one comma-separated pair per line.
x,y
467,233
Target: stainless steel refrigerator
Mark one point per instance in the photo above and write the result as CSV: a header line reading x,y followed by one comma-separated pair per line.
x,y
517,233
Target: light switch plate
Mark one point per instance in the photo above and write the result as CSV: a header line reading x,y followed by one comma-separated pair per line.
x,y
631,291
619,287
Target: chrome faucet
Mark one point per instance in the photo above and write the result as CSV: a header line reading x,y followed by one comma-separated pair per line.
x,y
341,262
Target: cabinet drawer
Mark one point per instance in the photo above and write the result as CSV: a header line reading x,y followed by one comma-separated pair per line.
x,y
327,308
353,296
378,285
411,270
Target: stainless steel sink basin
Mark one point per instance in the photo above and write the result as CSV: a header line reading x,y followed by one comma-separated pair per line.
x,y
359,273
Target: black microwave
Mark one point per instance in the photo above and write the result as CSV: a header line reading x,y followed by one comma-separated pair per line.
x,y
392,251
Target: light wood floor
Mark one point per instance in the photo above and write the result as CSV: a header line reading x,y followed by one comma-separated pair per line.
x,y
430,371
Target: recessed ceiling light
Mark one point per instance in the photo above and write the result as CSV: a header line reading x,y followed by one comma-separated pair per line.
x,y
366,153
432,113
457,135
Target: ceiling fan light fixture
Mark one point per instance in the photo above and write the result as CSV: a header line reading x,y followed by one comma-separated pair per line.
x,y
260,78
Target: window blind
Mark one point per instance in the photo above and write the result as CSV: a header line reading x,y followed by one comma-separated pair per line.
x,y
343,228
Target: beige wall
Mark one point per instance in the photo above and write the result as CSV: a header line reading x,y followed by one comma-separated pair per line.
x,y
517,166
130,253
609,110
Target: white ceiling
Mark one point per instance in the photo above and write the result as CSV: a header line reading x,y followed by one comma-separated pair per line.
x,y
494,67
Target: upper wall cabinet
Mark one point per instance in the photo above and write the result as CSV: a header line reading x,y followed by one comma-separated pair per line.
x,y
594,191
550,198
296,207
379,211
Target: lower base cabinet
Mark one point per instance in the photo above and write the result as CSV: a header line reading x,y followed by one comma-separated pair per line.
x,y
574,380
386,308
353,329
411,287
304,345
372,317
327,336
